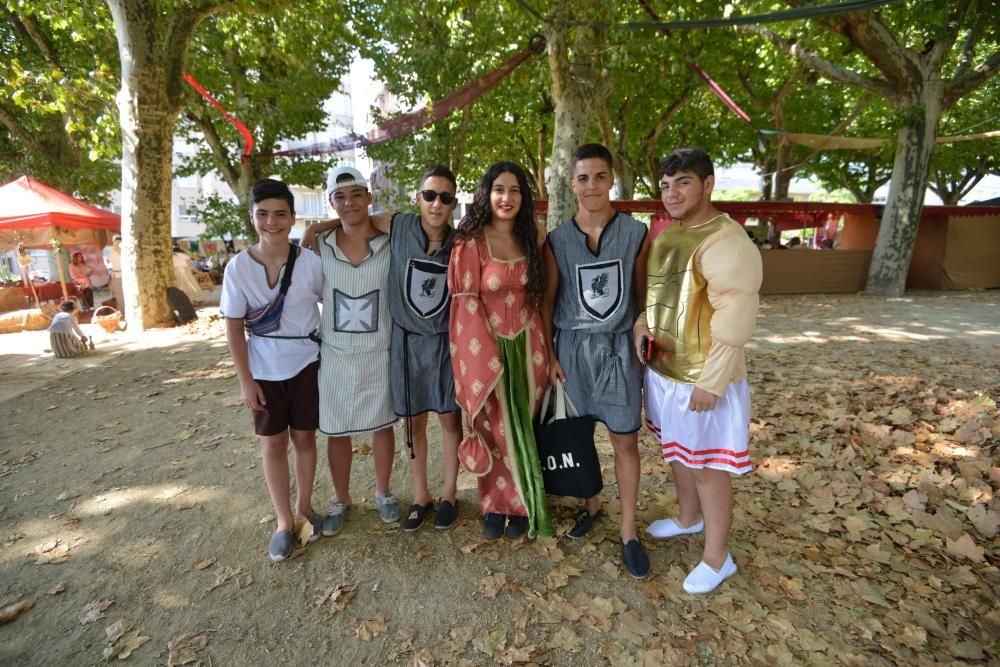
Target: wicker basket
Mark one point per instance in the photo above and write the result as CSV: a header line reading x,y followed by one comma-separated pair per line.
x,y
111,322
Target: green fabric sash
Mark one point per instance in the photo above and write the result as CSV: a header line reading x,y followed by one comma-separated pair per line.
x,y
513,355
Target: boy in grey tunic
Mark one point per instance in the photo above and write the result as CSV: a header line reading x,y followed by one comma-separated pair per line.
x,y
420,362
588,312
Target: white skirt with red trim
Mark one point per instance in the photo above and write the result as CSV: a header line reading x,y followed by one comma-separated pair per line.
x,y
714,439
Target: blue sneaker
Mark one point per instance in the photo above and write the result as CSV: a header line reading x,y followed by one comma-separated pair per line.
x,y
281,545
388,508
334,519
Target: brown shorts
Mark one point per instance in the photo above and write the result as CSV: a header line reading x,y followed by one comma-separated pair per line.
x,y
290,403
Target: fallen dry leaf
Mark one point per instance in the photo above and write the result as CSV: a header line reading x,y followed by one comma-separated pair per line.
x,y
303,531
565,639
339,596
491,585
52,551
634,628
94,611
224,575
12,611
371,628
204,563
130,643
422,658
183,650
967,547
113,633
422,550
57,589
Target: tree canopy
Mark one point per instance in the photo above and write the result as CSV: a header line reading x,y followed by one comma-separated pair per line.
x,y
59,73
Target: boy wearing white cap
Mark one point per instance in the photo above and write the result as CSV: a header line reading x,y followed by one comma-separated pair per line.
x,y
354,387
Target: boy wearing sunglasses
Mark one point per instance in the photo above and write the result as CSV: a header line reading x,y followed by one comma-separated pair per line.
x,y
420,373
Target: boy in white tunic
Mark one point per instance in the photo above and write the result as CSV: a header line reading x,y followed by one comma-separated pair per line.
x,y
277,366
703,275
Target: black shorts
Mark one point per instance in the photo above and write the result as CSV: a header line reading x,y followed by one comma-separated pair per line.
x,y
290,403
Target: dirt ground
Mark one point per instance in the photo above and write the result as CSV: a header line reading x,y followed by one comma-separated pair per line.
x,y
133,507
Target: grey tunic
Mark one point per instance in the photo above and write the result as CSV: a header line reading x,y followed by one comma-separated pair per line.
x,y
593,317
420,362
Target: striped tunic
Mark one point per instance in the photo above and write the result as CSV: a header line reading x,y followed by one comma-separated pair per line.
x,y
594,313
420,362
354,357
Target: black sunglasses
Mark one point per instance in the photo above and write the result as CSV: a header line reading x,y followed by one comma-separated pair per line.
x,y
431,195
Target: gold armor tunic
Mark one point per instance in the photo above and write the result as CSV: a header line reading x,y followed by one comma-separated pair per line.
x,y
701,302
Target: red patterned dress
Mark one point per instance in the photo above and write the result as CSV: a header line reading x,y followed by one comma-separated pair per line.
x,y
499,359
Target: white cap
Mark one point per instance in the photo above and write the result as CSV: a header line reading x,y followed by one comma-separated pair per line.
x,y
346,177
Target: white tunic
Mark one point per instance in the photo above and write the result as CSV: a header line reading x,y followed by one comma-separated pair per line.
x,y
245,287
354,394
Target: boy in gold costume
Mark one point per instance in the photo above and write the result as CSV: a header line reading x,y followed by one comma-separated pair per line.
x,y
703,276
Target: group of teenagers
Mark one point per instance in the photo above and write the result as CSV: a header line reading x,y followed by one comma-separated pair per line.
x,y
473,322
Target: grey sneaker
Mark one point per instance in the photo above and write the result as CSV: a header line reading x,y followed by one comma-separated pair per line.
x,y
388,508
281,545
334,519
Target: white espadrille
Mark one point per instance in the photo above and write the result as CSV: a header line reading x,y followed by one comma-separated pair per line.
x,y
704,578
666,528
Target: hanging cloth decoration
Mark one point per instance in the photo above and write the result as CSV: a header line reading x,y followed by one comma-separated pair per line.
x,y
410,122
240,127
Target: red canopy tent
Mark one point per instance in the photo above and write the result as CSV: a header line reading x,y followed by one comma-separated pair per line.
x,y
34,214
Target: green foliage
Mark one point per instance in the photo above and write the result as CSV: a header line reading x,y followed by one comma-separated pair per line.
x,y
222,218
423,52
58,78
273,71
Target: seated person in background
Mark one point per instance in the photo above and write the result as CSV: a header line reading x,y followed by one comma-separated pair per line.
x,y
65,336
795,243
79,272
184,273
826,244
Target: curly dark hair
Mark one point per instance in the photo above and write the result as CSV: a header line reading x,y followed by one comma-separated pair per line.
x,y
480,213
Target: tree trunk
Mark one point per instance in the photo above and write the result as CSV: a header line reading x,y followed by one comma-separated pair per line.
x,y
910,173
152,45
543,145
574,90
624,182
148,119
570,127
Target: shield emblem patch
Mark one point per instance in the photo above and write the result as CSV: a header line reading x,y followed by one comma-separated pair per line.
x,y
599,287
426,287
355,314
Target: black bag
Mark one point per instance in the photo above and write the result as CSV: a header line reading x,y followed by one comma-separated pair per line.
x,y
566,449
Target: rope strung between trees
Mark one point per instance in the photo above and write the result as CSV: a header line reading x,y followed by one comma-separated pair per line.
x,y
794,14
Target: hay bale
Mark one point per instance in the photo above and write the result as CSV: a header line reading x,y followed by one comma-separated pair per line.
x,y
11,298
11,323
35,320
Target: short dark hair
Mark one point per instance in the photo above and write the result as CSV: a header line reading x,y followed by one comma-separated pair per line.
x,y
694,160
590,151
67,306
270,188
440,171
